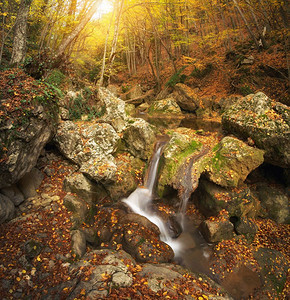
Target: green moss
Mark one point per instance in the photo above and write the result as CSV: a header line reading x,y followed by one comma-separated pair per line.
x,y
56,78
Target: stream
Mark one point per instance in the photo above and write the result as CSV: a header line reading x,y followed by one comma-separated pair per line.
x,y
190,248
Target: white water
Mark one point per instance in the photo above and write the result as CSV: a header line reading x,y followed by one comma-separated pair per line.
x,y
140,201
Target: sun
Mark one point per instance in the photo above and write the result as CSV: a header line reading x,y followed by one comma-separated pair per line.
x,y
105,7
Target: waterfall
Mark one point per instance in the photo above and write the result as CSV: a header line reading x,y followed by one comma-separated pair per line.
x,y
141,199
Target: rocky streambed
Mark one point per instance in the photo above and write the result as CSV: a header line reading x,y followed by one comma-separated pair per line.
x,y
65,233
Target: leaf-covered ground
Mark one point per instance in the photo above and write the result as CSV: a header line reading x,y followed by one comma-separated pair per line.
x,y
49,224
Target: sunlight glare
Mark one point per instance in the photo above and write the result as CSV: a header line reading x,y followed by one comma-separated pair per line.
x,y
105,7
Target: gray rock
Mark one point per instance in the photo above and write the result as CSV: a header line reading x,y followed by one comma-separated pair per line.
x,y
275,201
89,146
30,182
217,230
186,97
267,123
86,189
7,209
77,206
25,148
78,243
115,109
14,194
140,137
233,161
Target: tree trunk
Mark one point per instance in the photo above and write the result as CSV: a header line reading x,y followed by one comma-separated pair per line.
x,y
20,34
246,23
76,31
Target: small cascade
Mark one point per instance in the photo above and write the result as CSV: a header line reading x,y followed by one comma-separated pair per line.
x,y
141,199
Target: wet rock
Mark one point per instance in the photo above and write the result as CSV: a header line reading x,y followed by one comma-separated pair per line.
x,y
275,201
86,189
78,243
186,97
232,162
216,230
115,110
14,194
139,138
7,209
265,122
30,182
89,146
237,202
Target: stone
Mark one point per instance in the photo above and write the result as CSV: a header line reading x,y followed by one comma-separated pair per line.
x,y
246,227
134,92
24,148
164,106
78,243
84,188
30,182
14,194
217,230
182,154
77,207
139,138
7,209
90,146
64,113
238,202
275,201
232,162
186,97
266,122
115,109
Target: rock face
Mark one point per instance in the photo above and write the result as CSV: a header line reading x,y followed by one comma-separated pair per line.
x,y
232,162
186,98
139,138
91,147
115,109
24,147
265,122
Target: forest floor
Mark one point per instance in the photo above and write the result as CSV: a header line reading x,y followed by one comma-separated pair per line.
x,y
220,73
50,226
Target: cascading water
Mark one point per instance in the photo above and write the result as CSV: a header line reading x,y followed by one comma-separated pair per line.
x,y
140,201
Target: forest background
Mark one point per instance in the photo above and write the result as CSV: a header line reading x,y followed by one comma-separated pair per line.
x,y
219,47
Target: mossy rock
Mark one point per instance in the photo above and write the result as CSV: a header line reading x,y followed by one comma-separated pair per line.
x,y
164,106
232,162
179,148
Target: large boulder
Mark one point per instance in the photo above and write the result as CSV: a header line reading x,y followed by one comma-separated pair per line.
x,y
139,138
265,122
186,97
26,123
165,106
90,146
232,162
14,194
184,154
115,109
